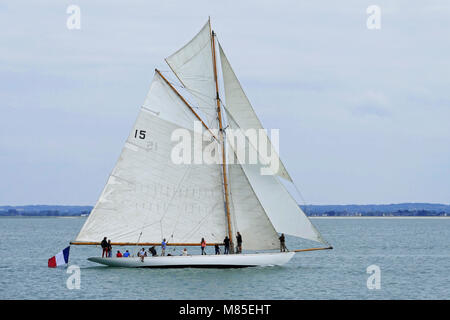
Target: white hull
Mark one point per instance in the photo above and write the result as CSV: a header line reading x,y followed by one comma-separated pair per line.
x,y
199,261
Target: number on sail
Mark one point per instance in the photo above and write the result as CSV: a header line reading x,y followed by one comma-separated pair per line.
x,y
141,134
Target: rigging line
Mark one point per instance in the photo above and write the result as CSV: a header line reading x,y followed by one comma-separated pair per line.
x,y
133,230
234,225
230,179
197,77
188,170
196,227
201,94
139,238
167,82
195,92
192,91
185,102
187,99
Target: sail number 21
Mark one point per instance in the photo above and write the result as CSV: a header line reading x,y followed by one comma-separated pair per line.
x,y
150,145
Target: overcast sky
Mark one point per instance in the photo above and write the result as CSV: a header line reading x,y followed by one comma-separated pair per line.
x,y
364,115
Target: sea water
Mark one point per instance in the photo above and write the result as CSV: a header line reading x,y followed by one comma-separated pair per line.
x,y
411,255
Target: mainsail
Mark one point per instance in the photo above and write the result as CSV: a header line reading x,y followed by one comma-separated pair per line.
x,y
147,196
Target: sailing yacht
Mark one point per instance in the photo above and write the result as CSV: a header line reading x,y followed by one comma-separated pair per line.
x,y
148,197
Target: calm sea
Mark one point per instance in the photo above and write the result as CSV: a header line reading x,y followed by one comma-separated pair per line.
x,y
413,256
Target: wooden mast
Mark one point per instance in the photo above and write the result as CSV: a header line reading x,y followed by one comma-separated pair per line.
x,y
224,164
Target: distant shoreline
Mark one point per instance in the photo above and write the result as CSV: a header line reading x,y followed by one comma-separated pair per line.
x,y
313,211
311,217
380,217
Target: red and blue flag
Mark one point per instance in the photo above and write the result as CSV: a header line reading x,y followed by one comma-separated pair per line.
x,y
59,259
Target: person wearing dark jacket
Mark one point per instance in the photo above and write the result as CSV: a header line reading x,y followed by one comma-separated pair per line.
x,y
239,242
152,251
282,243
226,243
104,245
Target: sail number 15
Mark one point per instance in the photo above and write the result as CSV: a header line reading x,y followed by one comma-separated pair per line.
x,y
140,134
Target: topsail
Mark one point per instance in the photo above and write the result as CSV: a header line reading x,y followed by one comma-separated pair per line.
x,y
193,65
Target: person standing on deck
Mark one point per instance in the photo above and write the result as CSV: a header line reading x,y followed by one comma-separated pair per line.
x,y
109,249
104,245
226,243
216,247
163,247
203,244
239,242
282,243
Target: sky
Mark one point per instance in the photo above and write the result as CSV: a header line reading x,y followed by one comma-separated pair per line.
x,y
363,114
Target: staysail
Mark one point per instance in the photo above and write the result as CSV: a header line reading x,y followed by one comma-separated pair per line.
x,y
238,105
148,197
248,215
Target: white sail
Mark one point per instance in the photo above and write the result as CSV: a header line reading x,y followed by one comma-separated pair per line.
x,y
249,217
238,105
147,196
281,208
193,65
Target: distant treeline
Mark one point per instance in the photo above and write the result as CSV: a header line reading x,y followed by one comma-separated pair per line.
x,y
373,210
401,209
45,210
